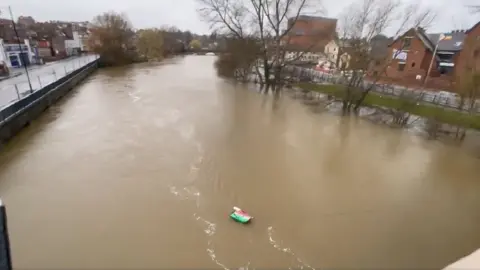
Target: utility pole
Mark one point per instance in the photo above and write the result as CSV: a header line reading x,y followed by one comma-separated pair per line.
x,y
21,50
431,64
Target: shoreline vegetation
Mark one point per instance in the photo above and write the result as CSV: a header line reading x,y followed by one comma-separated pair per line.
x,y
118,43
440,114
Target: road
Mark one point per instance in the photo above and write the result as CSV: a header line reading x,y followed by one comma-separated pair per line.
x,y
39,77
140,166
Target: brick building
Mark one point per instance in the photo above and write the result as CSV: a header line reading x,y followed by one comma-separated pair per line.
x,y
7,32
469,58
310,32
311,39
411,54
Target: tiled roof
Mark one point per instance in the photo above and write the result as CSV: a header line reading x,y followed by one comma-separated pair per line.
x,y
454,44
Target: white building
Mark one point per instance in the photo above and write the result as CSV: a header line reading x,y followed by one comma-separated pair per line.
x,y
331,51
16,55
73,46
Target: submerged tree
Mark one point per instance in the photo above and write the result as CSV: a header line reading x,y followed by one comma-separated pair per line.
x,y
239,58
112,38
268,23
150,44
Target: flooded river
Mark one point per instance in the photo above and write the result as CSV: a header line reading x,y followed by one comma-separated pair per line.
x,y
139,168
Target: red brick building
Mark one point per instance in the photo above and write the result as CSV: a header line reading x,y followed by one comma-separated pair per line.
x,y
469,58
310,33
410,57
411,54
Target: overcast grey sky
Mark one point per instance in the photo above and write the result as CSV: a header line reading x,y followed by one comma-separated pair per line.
x,y
452,14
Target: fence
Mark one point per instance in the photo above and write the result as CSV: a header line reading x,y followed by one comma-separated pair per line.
x,y
12,109
14,89
434,98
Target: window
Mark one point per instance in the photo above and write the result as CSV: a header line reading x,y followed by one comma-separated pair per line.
x,y
445,70
401,66
407,43
413,64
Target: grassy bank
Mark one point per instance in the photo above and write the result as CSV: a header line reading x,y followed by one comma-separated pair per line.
x,y
429,111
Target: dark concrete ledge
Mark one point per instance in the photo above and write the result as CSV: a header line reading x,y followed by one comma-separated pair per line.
x,y
17,115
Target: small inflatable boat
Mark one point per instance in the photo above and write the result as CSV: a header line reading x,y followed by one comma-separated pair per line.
x,y
240,216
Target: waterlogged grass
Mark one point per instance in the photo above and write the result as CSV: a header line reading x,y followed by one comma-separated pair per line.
x,y
429,111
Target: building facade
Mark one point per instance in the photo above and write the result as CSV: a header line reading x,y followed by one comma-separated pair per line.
x,y
468,61
17,55
73,46
310,39
411,59
311,33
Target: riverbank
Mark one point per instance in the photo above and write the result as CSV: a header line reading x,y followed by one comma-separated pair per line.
x,y
19,114
376,100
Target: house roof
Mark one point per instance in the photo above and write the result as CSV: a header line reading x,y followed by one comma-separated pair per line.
x,y
455,44
423,36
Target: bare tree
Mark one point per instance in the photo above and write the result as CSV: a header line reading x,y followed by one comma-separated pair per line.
x,y
150,44
361,23
268,22
111,37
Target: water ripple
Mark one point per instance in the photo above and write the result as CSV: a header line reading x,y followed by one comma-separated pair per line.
x,y
301,264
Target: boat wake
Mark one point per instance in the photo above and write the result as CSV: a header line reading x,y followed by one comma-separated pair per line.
x,y
210,228
190,193
300,264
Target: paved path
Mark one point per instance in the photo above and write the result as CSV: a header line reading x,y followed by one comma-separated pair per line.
x,y
13,88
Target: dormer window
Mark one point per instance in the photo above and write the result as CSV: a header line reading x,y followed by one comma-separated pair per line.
x,y
407,43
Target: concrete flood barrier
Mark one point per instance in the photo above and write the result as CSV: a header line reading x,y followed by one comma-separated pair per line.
x,y
19,114
5,258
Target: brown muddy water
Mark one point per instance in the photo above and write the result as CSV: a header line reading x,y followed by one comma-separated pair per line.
x,y
139,168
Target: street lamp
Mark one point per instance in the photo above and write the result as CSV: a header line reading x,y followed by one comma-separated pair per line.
x,y
440,38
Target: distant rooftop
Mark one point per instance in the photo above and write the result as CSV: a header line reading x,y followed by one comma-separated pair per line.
x,y
314,18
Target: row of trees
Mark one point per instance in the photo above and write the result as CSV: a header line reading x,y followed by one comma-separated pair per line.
x,y
117,42
258,33
266,25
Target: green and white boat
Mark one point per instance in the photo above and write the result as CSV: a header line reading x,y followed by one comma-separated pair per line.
x,y
240,216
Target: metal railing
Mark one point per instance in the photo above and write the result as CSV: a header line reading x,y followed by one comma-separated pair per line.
x,y
14,108
430,97
18,87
